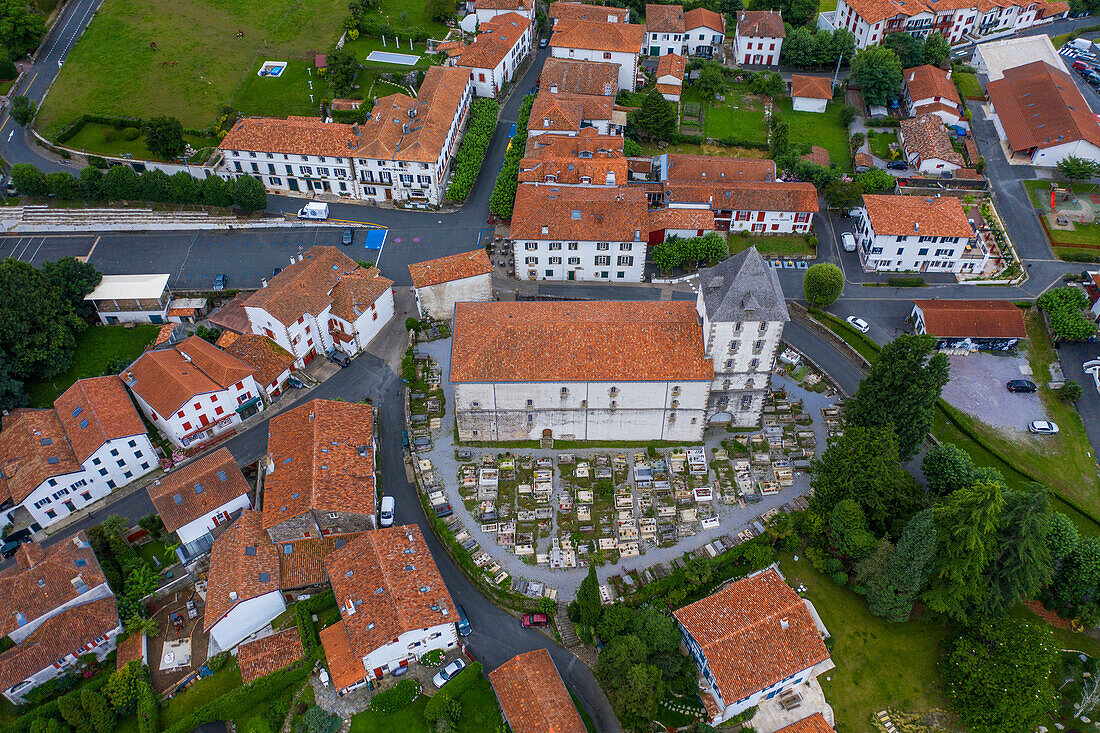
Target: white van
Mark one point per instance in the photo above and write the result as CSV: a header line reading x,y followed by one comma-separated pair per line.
x,y
387,511
849,242
313,210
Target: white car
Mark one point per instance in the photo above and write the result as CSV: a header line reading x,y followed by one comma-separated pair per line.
x,y
448,672
1093,367
323,676
1042,427
386,513
858,324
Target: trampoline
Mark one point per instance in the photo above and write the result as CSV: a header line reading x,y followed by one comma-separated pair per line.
x,y
386,57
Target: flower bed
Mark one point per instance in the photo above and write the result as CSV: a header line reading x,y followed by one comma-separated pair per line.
x,y
434,658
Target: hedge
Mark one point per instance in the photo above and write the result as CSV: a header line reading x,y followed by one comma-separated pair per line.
x,y
49,709
349,116
397,697
303,614
470,156
458,684
883,122
905,282
69,131
503,198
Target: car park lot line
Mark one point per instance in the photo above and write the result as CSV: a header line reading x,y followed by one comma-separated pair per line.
x,y
38,249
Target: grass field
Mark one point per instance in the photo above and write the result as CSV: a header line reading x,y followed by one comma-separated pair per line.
x,y
824,129
693,149
880,144
92,137
113,69
772,245
740,115
968,85
296,91
157,549
480,712
96,349
200,693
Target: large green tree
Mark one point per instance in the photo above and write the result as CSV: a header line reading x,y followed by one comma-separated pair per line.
x,y
98,710
38,326
876,180
946,468
341,71
909,50
1075,589
28,180
996,675
11,389
588,598
892,593
656,118
249,194
798,48
711,82
822,284
21,30
877,72
1073,168
74,279
848,532
936,49
1022,563
901,391
164,136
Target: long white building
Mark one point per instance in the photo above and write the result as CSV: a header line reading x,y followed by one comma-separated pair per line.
x,y
917,234
586,40
501,46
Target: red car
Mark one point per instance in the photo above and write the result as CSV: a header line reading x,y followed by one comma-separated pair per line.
x,y
1080,65
536,619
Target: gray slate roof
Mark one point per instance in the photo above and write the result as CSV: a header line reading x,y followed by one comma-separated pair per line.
x,y
743,288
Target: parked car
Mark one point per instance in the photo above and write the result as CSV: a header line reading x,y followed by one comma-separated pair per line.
x,y
276,271
858,324
221,281
536,619
9,189
1042,427
544,42
898,165
849,242
1092,367
404,438
448,672
8,548
293,381
339,357
1091,76
1021,385
387,510
1080,65
348,237
463,625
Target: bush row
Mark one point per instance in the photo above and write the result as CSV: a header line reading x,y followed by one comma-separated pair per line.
x,y
303,614
50,709
468,160
503,198
905,282
883,122
1065,310
70,131
377,29
397,697
454,688
683,139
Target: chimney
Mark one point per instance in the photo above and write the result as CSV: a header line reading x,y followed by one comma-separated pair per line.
x,y
784,623
355,129
263,282
232,596
916,226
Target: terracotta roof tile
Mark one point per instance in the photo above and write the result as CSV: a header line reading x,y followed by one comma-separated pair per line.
x,y
495,41
681,219
811,87
265,357
346,105
244,564
573,76
908,215
164,334
929,82
96,410
864,159
355,292
928,138
198,488
671,64
565,11
874,11
323,460
389,577
533,696
131,649
564,112
452,267
33,448
817,155
525,5
1040,107
664,18
704,18
1054,8
815,723
714,168
345,665
578,342
761,24
972,318
166,378
672,90
580,213
595,36
302,562
777,196
559,157
269,654
66,633
753,633
231,316
42,579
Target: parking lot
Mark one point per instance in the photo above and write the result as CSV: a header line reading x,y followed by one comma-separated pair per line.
x,y
38,249
977,387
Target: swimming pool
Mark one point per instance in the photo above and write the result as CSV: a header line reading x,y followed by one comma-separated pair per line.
x,y
393,58
271,68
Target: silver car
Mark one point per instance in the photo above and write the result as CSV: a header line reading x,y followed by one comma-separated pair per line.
x,y
1042,427
448,672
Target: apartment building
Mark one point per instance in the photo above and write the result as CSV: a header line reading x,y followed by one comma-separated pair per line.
x,y
587,158
568,11
916,234
402,153
760,207
587,40
664,28
501,46
271,364
758,39
704,32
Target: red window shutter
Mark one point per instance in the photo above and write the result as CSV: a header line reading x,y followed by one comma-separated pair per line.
x,y
187,426
760,216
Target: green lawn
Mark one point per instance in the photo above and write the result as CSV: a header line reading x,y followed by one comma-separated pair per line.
x,y
480,712
199,61
1039,192
200,693
819,128
96,349
880,144
693,149
297,91
404,14
772,245
740,116
589,726
157,549
93,137
1061,40
968,85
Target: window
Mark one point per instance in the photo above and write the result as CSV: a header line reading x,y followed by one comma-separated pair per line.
x,y
531,261
555,260
607,55
733,345
555,246
574,260
625,246
603,260
532,246
603,246
625,261
115,453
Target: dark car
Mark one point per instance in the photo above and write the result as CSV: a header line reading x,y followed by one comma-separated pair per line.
x,y
536,619
220,281
898,165
1091,76
463,624
11,544
276,271
339,357
293,381
1021,385
348,237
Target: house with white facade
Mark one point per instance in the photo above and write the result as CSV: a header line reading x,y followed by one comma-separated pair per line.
x,y
704,32
500,47
664,29
193,391
753,640
243,591
271,364
928,90
758,39
670,76
927,145
810,93
916,234
323,301
775,207
1041,117
402,152
488,9
587,158
572,76
442,282
617,43
131,298
394,606
563,10
195,500
580,371
568,114
56,461
579,232
741,304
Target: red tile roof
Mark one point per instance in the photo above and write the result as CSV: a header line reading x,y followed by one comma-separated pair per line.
x,y
670,90
574,213
67,633
533,696
302,562
564,11
671,64
527,5
266,358
929,82
715,168
874,11
818,155
168,378
574,76
596,36
928,138
565,112
777,196
664,18
681,219
559,157
972,318
811,87
231,316
761,24
42,579
495,41
389,578
345,665
601,341
33,448
244,564
96,410
703,18
1040,107
754,632
269,654
816,723
916,215
131,649
865,160
356,291
164,334
198,488
323,459
450,268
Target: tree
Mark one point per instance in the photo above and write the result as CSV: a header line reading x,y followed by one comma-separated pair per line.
x,y
73,713
120,183
946,468
848,530
844,44
1070,392
1064,307
842,195
48,725
635,698
1022,563
28,180
20,29
342,68
37,325
124,687
656,119
891,594
1073,168
632,148
901,390
871,568
966,531
662,639
74,279
153,185
768,84
1062,538
61,185
216,192
667,255
758,555
615,620
1074,589
822,284
798,48
249,194
91,183
710,82
164,136
22,109
877,71
588,598
620,654
98,711
876,180
909,50
996,674
11,389
779,141
316,720
440,10
184,188
937,49
823,52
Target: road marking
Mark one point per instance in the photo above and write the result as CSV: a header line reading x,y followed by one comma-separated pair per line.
x,y
360,223
31,260
89,255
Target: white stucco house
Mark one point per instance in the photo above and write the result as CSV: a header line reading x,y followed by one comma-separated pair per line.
x,y
442,282
670,76
664,29
501,46
489,9
928,90
704,32
617,43
810,93
758,39
568,114
564,10
927,145
916,234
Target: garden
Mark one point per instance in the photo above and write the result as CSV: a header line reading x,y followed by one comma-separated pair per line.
x,y
884,144
739,115
1077,241
777,245
466,704
130,142
100,350
826,129
298,90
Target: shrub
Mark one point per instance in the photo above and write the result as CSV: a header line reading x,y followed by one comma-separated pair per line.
x,y
217,662
1064,307
883,122
22,109
437,705
468,160
433,658
109,135
1070,392
397,697
97,162
303,613
131,134
503,198
822,284
905,282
